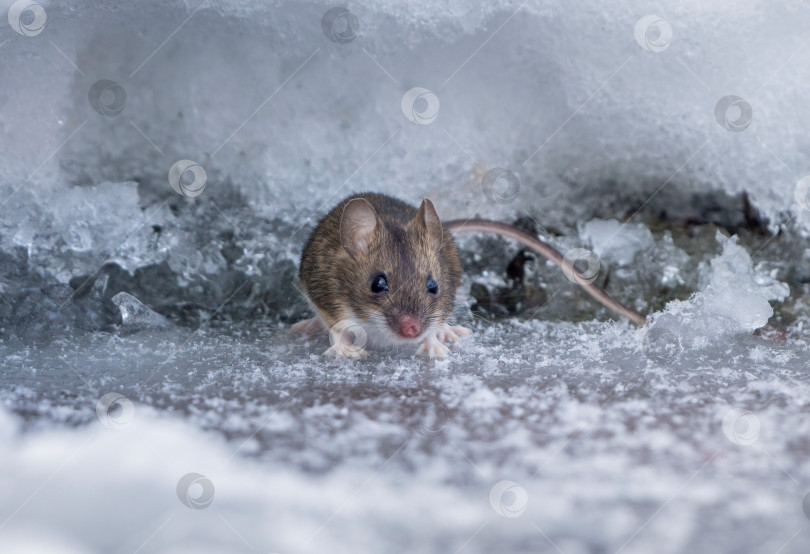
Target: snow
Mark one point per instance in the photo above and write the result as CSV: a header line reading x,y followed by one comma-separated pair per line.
x,y
735,301
161,164
617,242
393,454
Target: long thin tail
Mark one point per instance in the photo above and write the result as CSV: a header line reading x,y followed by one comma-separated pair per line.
x,y
488,226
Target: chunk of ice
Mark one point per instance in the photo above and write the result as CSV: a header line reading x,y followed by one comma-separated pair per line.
x,y
735,301
135,315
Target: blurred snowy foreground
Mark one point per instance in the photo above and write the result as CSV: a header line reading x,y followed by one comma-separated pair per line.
x,y
161,164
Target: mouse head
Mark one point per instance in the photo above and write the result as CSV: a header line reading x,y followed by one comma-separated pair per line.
x,y
396,272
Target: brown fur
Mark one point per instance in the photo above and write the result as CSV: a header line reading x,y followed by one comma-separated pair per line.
x,y
407,245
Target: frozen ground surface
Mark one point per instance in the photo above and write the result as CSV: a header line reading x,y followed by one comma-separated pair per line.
x,y
551,429
396,455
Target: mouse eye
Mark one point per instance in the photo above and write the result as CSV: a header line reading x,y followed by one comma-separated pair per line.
x,y
432,286
379,284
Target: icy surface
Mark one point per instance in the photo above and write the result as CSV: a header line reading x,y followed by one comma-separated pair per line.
x,y
614,441
395,455
144,325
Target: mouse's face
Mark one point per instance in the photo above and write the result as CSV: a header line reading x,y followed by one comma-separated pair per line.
x,y
401,290
395,278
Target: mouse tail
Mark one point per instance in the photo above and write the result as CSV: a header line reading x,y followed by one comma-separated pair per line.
x,y
547,251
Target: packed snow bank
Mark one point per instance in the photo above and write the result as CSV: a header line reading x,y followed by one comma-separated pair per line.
x,y
575,101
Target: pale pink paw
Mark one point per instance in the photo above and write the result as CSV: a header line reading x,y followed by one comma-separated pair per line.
x,y
311,326
452,333
461,331
432,346
341,350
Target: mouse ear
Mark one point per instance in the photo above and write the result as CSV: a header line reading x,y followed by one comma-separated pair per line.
x,y
357,224
428,220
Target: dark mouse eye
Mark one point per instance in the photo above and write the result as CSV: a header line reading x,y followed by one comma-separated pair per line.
x,y
432,286
379,284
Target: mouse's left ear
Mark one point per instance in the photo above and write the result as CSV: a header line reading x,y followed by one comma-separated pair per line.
x,y
357,225
427,219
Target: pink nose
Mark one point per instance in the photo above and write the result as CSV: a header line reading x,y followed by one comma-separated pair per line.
x,y
409,326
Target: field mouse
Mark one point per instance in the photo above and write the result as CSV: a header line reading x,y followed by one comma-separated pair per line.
x,y
387,273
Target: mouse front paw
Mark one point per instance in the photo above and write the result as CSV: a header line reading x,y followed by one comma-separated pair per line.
x,y
452,333
344,351
311,326
433,347
434,344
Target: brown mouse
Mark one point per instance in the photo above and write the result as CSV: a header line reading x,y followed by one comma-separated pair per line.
x,y
378,270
